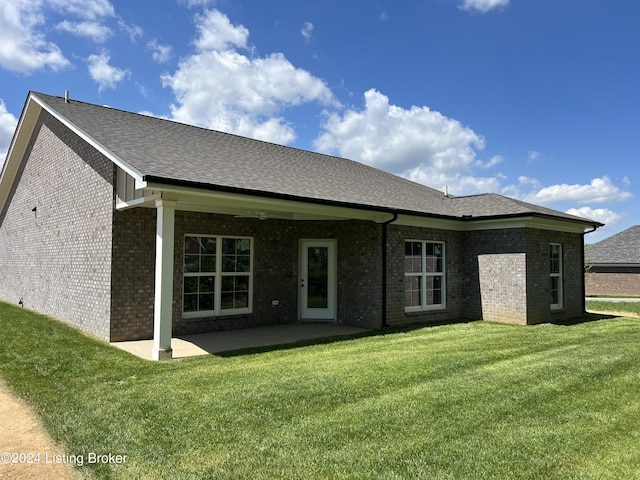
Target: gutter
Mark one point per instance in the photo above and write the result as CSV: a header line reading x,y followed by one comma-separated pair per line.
x,y
384,267
357,206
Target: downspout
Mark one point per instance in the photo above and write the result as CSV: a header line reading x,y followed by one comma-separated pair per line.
x,y
384,267
584,273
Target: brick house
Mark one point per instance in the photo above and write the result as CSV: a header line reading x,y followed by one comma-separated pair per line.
x,y
133,227
613,265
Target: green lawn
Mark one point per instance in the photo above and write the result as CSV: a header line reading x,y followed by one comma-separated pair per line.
x,y
470,400
604,306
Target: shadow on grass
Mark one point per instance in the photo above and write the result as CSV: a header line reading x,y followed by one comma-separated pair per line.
x,y
380,332
587,318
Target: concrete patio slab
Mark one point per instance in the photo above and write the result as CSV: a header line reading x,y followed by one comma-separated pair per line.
x,y
216,342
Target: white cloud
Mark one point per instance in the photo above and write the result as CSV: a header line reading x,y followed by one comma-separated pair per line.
x,y
416,142
92,30
533,155
217,33
600,190
159,53
307,30
483,6
493,161
104,74
134,31
534,182
197,3
23,48
87,9
7,126
218,87
602,215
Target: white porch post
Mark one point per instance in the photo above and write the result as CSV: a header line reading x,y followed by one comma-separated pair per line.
x,y
163,307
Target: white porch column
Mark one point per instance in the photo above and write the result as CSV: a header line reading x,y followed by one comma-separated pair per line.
x,y
163,307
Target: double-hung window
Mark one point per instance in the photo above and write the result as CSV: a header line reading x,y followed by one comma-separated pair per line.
x,y
424,275
555,269
218,275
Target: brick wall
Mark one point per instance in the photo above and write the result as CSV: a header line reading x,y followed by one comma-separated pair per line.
x,y
454,266
538,280
275,267
273,270
613,281
503,287
494,288
133,286
499,275
276,259
58,258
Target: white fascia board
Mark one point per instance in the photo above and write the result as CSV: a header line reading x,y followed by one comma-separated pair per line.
x,y
541,223
196,199
529,221
149,201
90,140
428,222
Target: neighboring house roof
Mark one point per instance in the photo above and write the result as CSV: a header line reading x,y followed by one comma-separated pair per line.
x,y
161,151
620,249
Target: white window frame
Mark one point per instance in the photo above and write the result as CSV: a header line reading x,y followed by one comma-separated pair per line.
x,y
424,275
558,275
218,276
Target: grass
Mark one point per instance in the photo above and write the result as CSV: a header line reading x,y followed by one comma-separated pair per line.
x,y
632,308
472,400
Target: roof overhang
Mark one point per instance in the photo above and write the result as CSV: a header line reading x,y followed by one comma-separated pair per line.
x,y
239,202
242,203
469,224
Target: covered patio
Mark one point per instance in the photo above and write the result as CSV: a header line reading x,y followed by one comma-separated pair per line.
x,y
230,340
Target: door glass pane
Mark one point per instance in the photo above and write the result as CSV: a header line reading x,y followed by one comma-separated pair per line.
x,y
317,277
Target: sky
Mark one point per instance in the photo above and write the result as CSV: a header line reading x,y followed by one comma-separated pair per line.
x,y
533,99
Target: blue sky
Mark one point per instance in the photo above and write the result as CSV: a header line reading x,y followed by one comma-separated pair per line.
x,y
534,99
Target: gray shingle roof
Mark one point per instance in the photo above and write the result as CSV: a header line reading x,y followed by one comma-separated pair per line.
x,y
170,152
621,248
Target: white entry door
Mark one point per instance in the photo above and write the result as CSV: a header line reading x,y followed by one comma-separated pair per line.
x,y
318,279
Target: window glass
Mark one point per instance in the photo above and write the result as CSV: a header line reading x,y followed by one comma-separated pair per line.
x,y
413,257
424,275
555,275
211,291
